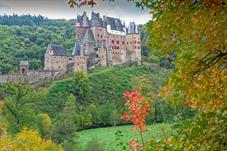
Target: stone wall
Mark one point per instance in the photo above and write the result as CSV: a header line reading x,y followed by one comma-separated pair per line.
x,y
31,77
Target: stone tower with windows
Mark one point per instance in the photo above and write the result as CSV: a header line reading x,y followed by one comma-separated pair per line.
x,y
103,55
79,59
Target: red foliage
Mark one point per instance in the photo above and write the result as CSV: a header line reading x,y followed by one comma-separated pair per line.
x,y
138,109
73,3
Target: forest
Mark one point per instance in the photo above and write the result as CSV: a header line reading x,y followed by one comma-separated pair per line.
x,y
179,106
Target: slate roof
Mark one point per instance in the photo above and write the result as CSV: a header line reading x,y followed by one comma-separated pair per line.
x,y
114,23
58,50
79,20
132,28
24,63
77,49
88,37
96,20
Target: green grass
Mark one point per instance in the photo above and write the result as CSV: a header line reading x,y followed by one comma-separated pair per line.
x,y
107,135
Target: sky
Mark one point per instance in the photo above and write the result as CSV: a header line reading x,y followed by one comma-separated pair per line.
x,y
58,9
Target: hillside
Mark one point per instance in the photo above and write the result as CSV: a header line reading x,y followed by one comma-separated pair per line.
x,y
110,83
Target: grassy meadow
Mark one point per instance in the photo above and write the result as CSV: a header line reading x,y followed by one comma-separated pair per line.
x,y
106,136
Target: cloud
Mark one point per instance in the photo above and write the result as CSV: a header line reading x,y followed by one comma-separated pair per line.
x,y
3,5
123,9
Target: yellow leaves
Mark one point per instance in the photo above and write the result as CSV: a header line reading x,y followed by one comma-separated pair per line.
x,y
166,90
45,122
193,104
27,140
1,104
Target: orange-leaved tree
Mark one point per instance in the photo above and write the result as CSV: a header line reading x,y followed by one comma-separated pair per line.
x,y
137,112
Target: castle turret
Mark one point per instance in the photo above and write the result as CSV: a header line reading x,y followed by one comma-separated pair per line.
x,y
103,55
24,68
79,59
85,21
82,25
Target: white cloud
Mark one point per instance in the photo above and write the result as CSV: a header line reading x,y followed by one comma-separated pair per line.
x,y
59,9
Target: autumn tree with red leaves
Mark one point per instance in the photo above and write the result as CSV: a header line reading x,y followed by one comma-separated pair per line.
x,y
137,112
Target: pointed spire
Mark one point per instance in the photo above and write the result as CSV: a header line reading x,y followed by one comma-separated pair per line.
x,y
89,37
77,49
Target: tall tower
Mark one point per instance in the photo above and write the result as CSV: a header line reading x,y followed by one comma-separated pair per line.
x,y
79,59
81,26
103,56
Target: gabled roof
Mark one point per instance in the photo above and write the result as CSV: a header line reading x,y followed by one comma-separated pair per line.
x,y
114,23
96,20
88,37
24,63
57,50
77,49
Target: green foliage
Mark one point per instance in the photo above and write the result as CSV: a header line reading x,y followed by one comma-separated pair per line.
x,y
66,121
81,87
94,145
44,124
101,96
21,105
203,132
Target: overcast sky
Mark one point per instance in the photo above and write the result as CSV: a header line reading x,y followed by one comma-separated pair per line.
x,y
59,9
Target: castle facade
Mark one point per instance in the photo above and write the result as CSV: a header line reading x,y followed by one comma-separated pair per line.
x,y
103,41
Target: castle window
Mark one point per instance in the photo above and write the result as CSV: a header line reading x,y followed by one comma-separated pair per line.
x,y
98,35
100,29
70,58
117,42
112,41
135,47
59,67
138,42
101,36
78,64
138,47
123,42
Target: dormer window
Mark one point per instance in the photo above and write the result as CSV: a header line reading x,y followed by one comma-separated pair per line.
x,y
51,52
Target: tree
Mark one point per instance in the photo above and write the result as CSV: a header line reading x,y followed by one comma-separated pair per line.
x,y
21,104
66,122
138,111
194,31
80,87
27,140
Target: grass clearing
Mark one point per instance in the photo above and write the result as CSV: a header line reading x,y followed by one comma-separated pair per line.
x,y
107,135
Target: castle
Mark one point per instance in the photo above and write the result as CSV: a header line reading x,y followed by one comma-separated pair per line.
x,y
100,42
103,41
